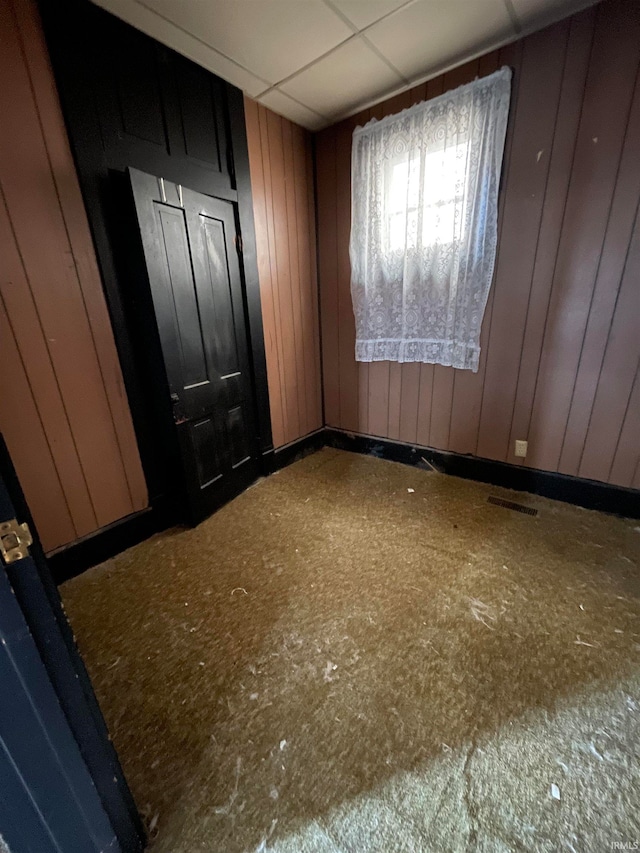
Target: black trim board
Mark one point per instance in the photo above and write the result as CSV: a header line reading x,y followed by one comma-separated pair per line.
x,y
129,531
277,459
73,559
560,487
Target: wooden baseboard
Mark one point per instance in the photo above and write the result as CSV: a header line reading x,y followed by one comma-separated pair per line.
x,y
72,560
575,490
283,456
129,531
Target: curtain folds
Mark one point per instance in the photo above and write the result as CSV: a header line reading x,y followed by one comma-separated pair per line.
x,y
424,198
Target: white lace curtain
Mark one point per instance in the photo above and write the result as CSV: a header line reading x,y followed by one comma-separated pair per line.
x,y
424,196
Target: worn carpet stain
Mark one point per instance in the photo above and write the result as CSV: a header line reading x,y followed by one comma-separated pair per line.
x,y
355,656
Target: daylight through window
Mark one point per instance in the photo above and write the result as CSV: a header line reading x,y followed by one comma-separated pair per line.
x,y
424,225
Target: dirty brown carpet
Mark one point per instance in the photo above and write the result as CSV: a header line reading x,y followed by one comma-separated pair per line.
x,y
357,656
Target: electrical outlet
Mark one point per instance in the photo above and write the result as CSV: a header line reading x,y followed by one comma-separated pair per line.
x,y
521,448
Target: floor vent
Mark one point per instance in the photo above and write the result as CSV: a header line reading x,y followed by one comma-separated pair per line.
x,y
527,510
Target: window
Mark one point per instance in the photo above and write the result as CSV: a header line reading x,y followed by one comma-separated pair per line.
x,y
424,225
440,186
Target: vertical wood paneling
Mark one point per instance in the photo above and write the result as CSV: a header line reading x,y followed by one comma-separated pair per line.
x,y
425,398
295,282
409,392
269,236
553,369
610,269
30,450
306,271
618,372
280,160
77,227
316,376
467,386
626,464
443,377
275,142
328,273
575,73
536,111
55,307
20,307
267,284
349,386
600,139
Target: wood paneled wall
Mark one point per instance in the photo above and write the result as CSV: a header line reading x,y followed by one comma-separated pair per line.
x,y
561,333
281,163
63,407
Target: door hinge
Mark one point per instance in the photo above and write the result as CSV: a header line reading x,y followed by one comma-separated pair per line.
x,y
14,540
239,243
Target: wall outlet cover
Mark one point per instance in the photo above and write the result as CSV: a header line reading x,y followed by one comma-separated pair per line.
x,y
521,448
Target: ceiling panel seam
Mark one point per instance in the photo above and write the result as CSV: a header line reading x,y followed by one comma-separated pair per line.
x,y
513,15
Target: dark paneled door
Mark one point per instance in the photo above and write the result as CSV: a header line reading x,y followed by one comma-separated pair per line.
x,y
190,249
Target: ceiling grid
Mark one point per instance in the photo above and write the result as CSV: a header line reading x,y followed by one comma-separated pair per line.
x,y
318,61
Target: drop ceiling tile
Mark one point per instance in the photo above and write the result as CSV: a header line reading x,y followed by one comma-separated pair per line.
x,y
351,75
270,39
151,24
287,107
431,34
362,13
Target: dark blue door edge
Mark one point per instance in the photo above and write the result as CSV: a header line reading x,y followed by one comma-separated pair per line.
x,y
39,600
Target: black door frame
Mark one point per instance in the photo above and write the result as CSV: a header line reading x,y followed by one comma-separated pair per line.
x,y
72,31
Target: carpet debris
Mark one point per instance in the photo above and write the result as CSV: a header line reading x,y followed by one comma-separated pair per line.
x,y
594,751
226,810
329,668
555,791
262,847
579,642
482,611
239,589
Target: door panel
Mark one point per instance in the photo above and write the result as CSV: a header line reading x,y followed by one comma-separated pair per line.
x,y
226,346
204,437
200,133
237,436
189,244
181,297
